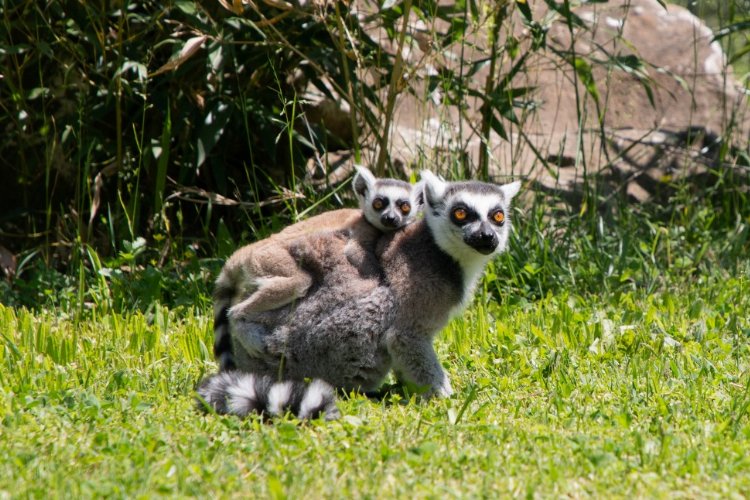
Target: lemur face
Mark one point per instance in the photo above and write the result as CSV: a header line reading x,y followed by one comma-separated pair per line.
x,y
387,204
480,223
468,218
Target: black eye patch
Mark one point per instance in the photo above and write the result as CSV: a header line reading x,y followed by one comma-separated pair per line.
x,y
496,216
404,206
379,203
461,214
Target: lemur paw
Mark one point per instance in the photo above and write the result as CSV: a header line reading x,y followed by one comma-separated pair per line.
x,y
445,390
442,390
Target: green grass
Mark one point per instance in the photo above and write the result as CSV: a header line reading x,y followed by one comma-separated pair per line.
x,y
622,393
605,355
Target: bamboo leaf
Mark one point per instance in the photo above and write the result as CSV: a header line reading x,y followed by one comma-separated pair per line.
x,y
212,129
743,25
586,75
523,6
188,50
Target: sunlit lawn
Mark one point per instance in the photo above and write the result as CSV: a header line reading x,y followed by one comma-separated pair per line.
x,y
620,394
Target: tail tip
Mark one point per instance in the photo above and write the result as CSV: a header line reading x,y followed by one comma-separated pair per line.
x,y
242,394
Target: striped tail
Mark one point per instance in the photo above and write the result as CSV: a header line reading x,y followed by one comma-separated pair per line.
x,y
242,394
223,352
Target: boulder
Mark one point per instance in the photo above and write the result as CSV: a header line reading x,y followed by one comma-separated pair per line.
x,y
662,97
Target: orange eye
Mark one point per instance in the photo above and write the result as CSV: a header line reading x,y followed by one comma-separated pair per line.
x,y
498,217
459,214
378,204
405,208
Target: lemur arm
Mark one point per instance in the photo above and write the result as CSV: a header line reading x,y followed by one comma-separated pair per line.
x,y
415,361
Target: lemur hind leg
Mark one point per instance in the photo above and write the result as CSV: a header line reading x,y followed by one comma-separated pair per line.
x,y
273,293
277,280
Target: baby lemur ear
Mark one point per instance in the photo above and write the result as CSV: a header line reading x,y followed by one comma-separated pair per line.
x,y
510,190
434,187
417,195
363,180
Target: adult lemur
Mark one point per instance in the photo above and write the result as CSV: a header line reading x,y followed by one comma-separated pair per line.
x,y
264,275
350,330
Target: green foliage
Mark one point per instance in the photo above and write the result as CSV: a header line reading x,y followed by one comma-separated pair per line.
x,y
627,394
625,247
110,110
622,248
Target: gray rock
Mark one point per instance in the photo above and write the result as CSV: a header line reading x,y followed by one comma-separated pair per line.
x,y
660,121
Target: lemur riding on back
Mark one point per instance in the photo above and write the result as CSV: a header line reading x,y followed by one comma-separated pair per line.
x,y
264,275
350,330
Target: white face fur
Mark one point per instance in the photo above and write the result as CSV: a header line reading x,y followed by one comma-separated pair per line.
x,y
387,204
469,220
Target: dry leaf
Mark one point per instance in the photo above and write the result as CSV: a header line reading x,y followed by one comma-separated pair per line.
x,y
98,185
226,5
188,50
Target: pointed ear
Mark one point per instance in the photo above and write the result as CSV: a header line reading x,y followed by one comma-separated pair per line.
x,y
417,194
510,190
363,181
434,187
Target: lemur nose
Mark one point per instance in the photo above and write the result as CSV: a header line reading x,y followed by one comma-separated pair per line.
x,y
389,220
484,241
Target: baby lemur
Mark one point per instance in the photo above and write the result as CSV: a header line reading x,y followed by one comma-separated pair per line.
x,y
350,330
264,275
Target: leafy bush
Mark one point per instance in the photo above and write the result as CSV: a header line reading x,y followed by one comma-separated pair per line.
x,y
117,112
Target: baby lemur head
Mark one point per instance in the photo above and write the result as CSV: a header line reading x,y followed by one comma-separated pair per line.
x,y
469,220
387,204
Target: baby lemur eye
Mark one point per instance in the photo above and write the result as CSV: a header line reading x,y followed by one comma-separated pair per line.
x,y
498,217
460,214
405,208
378,203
